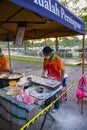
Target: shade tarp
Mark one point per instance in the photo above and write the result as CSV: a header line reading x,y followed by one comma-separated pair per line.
x,y
44,18
53,10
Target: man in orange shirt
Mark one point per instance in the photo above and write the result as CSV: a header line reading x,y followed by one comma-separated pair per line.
x,y
53,66
3,66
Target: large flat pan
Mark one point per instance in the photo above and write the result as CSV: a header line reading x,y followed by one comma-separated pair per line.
x,y
51,84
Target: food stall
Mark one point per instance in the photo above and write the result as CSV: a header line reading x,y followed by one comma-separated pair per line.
x,y
20,98
44,19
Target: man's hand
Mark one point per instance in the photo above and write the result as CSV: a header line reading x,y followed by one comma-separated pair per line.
x,y
43,74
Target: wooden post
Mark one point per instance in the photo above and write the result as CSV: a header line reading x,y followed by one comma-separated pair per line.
x,y
9,56
56,44
83,53
7,39
83,56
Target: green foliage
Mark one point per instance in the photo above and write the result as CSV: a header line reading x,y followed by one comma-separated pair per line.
x,y
71,42
77,8
64,54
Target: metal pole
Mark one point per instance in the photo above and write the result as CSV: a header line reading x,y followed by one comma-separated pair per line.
x,y
7,39
9,56
83,53
56,45
25,47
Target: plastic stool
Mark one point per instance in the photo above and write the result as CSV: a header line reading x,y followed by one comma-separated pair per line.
x,y
83,101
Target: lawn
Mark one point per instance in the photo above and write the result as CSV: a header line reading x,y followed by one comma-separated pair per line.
x,y
24,59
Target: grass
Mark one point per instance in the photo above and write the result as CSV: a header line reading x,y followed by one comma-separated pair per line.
x,y
32,60
76,58
67,64
24,59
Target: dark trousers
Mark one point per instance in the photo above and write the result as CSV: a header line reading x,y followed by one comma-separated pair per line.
x,y
2,83
48,101
57,104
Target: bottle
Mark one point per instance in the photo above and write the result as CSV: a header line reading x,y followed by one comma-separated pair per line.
x,y
29,81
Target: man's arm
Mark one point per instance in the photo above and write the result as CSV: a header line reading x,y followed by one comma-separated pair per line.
x,y
62,75
44,72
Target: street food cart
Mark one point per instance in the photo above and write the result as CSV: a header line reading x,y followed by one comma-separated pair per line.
x,y
44,19
16,107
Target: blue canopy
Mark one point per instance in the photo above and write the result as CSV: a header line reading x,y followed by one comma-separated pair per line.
x,y
53,10
42,18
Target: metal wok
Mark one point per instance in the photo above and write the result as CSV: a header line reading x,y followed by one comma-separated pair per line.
x,y
7,77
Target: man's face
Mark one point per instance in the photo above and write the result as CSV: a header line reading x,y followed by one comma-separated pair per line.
x,y
48,56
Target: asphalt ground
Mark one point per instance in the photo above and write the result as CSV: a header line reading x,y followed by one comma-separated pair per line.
x,y
68,117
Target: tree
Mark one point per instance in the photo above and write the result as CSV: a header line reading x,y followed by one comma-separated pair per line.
x,y
78,7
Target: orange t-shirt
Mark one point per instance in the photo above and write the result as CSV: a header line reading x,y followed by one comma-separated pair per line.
x,y
53,67
3,63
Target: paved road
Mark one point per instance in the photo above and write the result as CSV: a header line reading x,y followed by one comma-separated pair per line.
x,y
36,68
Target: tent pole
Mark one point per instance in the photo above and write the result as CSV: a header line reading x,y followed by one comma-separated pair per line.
x,y
83,53
57,44
83,56
9,56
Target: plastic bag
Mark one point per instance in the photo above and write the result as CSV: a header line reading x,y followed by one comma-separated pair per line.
x,y
80,93
82,82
